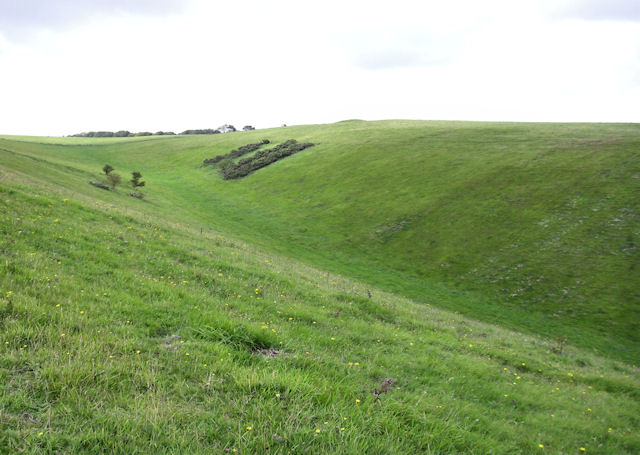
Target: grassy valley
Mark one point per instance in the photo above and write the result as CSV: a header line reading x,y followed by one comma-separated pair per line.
x,y
533,226
397,287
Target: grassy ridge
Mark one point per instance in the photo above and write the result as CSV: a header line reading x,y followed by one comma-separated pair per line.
x,y
534,226
122,333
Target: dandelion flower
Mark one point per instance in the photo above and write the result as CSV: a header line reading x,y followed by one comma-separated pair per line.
x,y
317,430
357,400
541,446
248,428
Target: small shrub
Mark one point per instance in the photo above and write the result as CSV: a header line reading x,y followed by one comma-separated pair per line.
x,y
136,183
113,179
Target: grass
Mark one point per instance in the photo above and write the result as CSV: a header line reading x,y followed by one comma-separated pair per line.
x,y
531,226
122,334
125,328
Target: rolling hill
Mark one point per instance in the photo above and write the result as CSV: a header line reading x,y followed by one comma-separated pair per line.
x,y
532,226
401,286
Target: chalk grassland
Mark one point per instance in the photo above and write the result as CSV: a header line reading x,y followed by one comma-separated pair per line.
x,y
532,226
122,332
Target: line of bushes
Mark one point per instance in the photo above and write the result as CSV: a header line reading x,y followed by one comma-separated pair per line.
x,y
230,170
226,128
205,131
122,133
240,151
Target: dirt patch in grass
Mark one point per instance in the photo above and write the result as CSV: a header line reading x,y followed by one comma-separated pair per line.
x,y
269,352
170,342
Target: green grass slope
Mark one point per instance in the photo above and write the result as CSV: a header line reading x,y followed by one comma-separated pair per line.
x,y
533,226
122,332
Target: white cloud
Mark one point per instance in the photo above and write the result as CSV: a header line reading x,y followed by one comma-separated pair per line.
x,y
267,63
618,10
20,18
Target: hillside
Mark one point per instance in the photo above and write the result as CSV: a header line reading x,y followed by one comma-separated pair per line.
x,y
122,332
532,226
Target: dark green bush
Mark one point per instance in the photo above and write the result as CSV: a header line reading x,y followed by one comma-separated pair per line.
x,y
136,183
263,158
236,153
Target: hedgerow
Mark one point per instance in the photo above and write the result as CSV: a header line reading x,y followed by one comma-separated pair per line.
x,y
240,151
262,158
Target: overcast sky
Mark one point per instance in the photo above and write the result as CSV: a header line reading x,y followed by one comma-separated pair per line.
x,y
68,66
